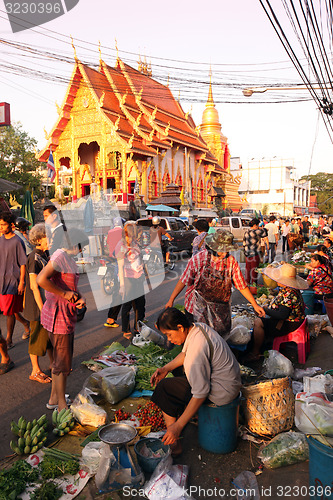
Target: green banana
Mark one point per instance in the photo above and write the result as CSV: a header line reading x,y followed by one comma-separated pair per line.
x,y
54,417
29,426
28,440
61,414
21,442
26,434
18,451
34,449
42,420
66,429
23,424
34,441
13,445
27,450
34,422
56,431
34,431
20,422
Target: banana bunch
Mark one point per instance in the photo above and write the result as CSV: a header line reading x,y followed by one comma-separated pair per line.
x,y
63,421
31,435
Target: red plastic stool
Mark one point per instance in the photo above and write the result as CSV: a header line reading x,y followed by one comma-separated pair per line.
x,y
300,337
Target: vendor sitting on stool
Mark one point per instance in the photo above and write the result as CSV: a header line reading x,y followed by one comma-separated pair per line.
x,y
286,311
320,278
211,372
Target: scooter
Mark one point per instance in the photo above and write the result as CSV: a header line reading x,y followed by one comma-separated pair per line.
x,y
108,271
154,259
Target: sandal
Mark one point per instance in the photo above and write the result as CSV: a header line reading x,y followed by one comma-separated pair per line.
x,y
26,335
5,367
127,335
10,345
111,325
41,378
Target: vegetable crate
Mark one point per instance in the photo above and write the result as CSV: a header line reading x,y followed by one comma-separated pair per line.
x,y
269,407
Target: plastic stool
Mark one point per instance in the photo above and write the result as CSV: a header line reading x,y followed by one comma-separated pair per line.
x,y
300,337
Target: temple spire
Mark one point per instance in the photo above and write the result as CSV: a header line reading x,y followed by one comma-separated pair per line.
x,y
210,101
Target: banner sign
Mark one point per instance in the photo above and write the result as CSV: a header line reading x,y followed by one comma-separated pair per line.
x,y
4,114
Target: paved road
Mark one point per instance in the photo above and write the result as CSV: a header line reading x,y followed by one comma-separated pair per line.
x,y
21,396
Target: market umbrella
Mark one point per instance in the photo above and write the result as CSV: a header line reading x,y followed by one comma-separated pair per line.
x,y
8,186
161,208
27,209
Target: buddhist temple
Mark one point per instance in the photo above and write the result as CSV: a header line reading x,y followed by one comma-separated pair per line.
x,y
124,132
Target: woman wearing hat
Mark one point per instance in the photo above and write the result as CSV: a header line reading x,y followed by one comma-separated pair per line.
x,y
285,313
209,276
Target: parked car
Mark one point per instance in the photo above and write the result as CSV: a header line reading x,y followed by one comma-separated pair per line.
x,y
181,233
249,212
236,225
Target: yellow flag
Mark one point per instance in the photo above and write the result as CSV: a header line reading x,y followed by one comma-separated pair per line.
x,y
182,196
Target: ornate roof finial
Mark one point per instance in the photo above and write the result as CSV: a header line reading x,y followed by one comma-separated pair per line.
x,y
140,63
116,44
75,55
149,70
100,52
168,81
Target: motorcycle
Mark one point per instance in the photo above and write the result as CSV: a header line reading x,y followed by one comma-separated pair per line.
x,y
154,259
108,271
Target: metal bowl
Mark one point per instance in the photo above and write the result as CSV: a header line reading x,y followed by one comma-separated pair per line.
x,y
117,434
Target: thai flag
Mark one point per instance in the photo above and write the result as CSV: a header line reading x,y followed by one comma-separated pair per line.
x,y
51,173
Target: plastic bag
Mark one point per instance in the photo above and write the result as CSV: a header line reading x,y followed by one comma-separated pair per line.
x,y
114,383
106,459
242,320
247,486
316,322
86,411
168,482
92,454
277,365
314,414
239,335
307,372
285,449
319,383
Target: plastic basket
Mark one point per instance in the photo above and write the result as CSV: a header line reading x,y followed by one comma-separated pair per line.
x,y
269,407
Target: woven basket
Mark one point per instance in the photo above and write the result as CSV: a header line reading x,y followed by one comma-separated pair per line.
x,y
269,407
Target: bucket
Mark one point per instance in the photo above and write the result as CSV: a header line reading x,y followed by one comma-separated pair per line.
x,y
217,426
328,303
146,463
320,469
308,297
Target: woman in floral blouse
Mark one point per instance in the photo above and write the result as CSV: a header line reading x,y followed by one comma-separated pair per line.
x,y
285,313
320,277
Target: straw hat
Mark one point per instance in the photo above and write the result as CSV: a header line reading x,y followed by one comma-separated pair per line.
x,y
221,241
286,275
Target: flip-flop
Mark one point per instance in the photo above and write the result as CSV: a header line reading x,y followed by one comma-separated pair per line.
x,y
111,325
41,378
127,335
6,367
26,335
51,407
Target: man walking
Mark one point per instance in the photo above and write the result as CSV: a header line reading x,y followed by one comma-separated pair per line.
x,y
251,243
306,224
12,277
273,236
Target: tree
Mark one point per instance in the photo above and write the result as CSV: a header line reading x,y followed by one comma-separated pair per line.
x,y
322,187
17,157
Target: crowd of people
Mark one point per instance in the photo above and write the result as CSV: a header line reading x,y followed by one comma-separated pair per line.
x,y
39,288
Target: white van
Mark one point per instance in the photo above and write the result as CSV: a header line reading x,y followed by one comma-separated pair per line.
x,y
236,225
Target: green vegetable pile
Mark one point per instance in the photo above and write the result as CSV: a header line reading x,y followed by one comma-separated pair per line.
x,y
149,358
56,463
285,449
15,480
47,491
261,290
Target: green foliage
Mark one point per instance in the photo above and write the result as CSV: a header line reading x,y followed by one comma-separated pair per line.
x,y
17,157
14,481
322,187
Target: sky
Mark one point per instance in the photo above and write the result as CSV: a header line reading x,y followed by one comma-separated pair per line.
x,y
182,39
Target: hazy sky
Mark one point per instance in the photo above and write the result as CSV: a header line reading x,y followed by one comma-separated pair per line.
x,y
182,38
